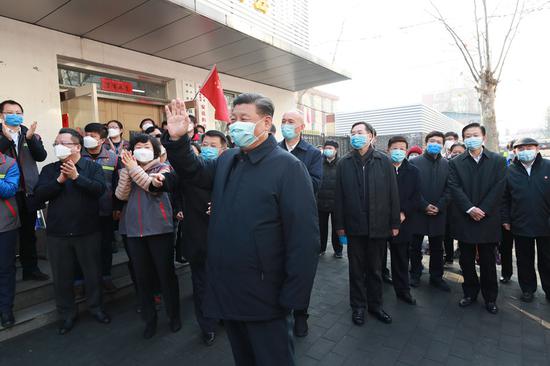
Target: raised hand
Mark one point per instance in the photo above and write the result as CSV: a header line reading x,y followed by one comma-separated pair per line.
x,y
128,160
158,180
69,170
177,119
6,131
31,131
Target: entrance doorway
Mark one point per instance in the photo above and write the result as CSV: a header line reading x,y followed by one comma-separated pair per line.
x,y
129,113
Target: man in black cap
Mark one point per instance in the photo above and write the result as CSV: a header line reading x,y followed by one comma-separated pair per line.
x,y
325,199
526,213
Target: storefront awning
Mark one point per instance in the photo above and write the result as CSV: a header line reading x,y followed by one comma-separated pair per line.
x,y
181,31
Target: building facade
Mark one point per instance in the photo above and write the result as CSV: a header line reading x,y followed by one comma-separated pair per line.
x,y
74,62
413,122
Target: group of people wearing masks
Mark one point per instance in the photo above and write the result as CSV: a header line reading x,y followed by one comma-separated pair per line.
x,y
254,219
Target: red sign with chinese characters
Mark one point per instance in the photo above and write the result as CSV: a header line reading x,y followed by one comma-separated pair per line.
x,y
116,86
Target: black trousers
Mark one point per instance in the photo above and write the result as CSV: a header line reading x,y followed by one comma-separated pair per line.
x,y
155,255
505,249
27,236
8,242
64,253
449,242
365,271
198,278
323,229
400,266
488,272
261,343
525,255
436,256
107,235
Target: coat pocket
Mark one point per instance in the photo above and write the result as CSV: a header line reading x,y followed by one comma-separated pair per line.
x,y
269,251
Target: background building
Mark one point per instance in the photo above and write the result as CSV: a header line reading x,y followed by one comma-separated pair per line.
x,y
318,108
413,122
461,104
72,62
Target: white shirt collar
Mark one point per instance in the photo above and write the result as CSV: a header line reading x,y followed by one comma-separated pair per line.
x,y
290,148
476,158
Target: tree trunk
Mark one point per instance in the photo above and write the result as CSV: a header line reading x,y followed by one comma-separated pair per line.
x,y
487,96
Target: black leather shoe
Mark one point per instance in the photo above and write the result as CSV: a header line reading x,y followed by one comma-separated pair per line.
x,y
102,318
8,320
491,307
338,255
358,316
527,297
65,326
387,278
209,338
414,282
407,297
381,315
35,276
440,283
175,324
150,329
504,279
466,301
301,328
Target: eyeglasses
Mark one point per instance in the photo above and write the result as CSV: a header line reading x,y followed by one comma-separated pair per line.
x,y
65,144
158,136
18,113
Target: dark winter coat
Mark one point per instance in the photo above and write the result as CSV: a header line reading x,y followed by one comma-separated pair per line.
x,y
263,234
527,198
434,189
408,184
477,185
327,191
367,198
312,159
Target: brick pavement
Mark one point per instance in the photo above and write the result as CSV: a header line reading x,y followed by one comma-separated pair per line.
x,y
435,332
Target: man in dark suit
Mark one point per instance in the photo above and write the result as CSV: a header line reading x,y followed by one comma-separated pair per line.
x,y
263,234
25,145
408,183
431,216
526,213
292,126
477,181
367,212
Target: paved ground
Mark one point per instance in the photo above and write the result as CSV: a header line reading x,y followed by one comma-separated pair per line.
x,y
436,332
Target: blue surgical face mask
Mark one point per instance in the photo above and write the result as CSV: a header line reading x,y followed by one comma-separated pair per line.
x,y
288,131
358,141
397,155
242,133
473,143
328,153
209,152
433,148
527,156
13,119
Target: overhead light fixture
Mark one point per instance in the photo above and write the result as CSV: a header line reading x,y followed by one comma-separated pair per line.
x,y
138,91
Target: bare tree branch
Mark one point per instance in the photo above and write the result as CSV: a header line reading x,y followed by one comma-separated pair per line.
x,y
479,51
504,44
508,48
487,52
459,43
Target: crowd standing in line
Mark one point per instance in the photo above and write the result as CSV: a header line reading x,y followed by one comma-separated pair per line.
x,y
251,216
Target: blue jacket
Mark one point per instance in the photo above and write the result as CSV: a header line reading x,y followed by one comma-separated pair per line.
x,y
312,159
10,182
263,235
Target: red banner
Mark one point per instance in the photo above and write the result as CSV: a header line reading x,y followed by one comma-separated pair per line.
x,y
116,86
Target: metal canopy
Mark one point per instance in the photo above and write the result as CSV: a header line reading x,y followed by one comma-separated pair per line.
x,y
168,30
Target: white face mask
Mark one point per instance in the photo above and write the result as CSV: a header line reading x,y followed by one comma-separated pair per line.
x,y
144,155
90,142
62,152
448,144
162,150
114,132
146,126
